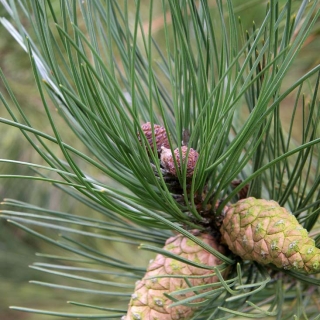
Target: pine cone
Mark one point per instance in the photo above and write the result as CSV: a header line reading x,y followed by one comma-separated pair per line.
x,y
261,230
160,134
148,302
168,163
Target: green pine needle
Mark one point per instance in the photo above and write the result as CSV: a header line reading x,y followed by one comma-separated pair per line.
x,y
215,81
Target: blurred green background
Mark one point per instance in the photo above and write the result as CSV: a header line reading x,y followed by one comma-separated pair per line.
x,y
17,249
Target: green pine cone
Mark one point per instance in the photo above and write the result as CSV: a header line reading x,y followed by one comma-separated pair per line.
x,y
148,301
261,230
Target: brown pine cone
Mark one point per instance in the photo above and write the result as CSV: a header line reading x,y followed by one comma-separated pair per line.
x,y
168,163
160,134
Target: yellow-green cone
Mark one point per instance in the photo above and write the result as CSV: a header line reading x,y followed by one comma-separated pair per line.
x,y
261,230
148,301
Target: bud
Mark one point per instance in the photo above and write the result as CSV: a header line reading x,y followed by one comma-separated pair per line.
x,y
160,134
261,230
168,163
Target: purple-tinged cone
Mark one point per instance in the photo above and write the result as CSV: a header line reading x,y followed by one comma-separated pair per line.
x,y
188,155
160,135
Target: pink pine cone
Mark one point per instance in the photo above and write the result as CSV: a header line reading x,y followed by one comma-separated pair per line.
x,y
168,163
160,135
261,230
148,301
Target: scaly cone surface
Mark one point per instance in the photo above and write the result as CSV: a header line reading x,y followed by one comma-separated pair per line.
x,y
148,301
188,155
160,135
261,230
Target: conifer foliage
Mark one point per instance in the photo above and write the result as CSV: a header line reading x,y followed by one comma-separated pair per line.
x,y
184,148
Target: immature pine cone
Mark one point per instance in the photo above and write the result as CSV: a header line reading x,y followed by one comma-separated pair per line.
x,y
168,163
159,133
261,230
148,302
